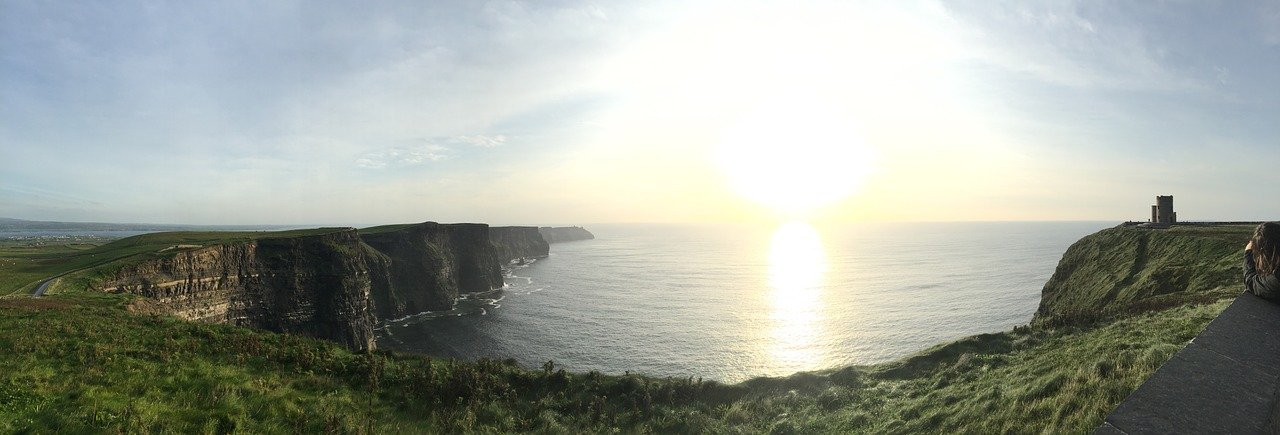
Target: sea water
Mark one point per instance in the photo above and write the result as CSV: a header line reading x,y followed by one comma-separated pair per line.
x,y
731,302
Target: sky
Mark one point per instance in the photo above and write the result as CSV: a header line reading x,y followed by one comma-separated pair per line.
x,y
548,112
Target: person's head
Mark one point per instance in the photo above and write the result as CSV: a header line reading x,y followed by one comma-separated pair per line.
x,y
1266,247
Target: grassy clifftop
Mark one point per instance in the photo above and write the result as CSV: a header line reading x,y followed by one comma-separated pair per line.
x,y
23,267
80,364
1127,269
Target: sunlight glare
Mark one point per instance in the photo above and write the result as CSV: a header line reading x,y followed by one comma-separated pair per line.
x,y
797,268
794,155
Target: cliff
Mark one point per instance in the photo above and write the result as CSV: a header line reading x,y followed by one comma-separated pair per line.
x,y
334,284
316,285
565,234
513,243
1128,269
431,264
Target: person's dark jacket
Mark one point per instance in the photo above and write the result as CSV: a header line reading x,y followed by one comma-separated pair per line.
x,y
1265,286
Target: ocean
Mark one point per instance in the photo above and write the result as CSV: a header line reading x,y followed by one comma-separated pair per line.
x,y
732,302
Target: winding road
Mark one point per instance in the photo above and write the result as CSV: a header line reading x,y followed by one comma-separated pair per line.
x,y
44,285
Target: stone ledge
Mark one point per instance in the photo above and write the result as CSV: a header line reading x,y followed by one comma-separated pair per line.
x,y
1224,381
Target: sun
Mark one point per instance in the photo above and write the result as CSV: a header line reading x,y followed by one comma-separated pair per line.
x,y
794,156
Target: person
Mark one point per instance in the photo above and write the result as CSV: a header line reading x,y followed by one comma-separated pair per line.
x,y
1261,259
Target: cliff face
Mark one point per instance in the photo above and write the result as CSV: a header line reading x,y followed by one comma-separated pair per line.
x,y
332,284
431,264
565,234
1131,269
313,285
518,242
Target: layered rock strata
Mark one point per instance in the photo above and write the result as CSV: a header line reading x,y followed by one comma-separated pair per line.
x,y
431,264
312,285
335,285
514,243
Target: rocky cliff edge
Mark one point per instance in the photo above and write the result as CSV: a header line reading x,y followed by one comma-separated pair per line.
x,y
334,283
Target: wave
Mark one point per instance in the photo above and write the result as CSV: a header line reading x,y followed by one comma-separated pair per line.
x,y
477,303
526,291
527,280
519,263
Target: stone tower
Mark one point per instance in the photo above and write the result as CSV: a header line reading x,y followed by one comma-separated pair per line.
x,y
1162,212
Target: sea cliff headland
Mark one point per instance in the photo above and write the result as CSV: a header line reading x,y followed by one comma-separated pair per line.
x,y
330,283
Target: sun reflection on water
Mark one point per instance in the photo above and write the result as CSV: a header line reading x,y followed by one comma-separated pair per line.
x,y
797,269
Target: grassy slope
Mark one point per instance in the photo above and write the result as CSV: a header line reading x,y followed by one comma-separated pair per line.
x,y
84,364
1123,270
22,268
23,265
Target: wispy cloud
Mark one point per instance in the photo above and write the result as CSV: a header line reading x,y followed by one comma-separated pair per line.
x,y
1072,44
426,151
402,156
1269,23
480,140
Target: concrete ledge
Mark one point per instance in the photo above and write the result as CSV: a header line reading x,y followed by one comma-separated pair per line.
x,y
1225,381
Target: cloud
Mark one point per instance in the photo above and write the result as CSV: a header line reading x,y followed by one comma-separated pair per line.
x,y
480,140
1269,23
402,156
187,112
1075,45
427,151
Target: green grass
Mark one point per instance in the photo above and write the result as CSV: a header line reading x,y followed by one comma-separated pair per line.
x,y
22,264
385,228
1124,270
79,368
85,365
